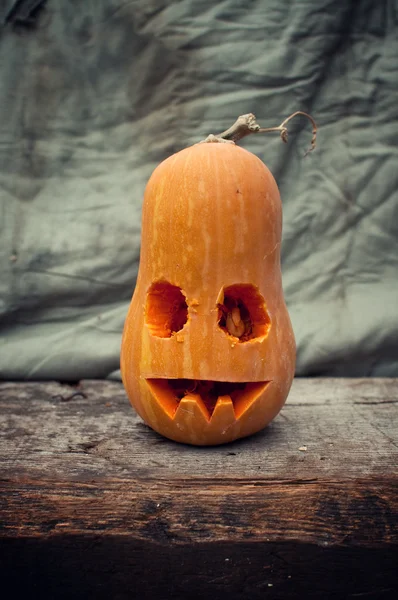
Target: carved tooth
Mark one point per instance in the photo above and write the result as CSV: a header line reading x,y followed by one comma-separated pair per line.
x,y
223,415
244,400
192,408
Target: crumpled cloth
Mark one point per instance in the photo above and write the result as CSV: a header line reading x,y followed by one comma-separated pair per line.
x,y
94,95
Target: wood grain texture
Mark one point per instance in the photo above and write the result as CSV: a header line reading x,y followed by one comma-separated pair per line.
x,y
95,500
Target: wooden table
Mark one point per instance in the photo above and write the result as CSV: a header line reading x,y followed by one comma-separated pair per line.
x,y
95,505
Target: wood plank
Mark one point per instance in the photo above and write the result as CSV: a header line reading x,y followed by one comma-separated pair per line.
x,y
189,510
86,486
348,427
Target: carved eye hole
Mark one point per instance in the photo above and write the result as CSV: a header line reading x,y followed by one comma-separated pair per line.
x,y
166,309
242,313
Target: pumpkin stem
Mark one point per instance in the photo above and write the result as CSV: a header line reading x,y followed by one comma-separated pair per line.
x,y
246,124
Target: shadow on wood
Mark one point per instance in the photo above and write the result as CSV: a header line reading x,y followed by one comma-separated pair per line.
x,y
118,568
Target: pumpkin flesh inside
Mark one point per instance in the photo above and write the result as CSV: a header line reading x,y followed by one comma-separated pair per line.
x,y
171,394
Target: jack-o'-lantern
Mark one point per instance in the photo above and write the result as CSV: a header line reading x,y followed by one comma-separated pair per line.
x,y
208,351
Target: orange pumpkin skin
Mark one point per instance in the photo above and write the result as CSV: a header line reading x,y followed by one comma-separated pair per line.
x,y
212,222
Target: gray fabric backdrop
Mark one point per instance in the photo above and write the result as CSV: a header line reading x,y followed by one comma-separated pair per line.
x,y
93,95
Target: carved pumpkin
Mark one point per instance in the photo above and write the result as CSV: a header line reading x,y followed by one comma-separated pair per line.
x,y
208,352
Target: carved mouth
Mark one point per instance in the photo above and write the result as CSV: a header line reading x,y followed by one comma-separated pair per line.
x,y
172,394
